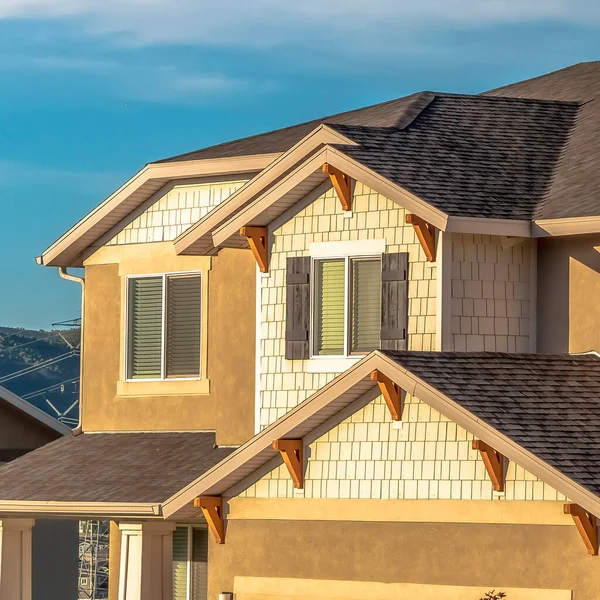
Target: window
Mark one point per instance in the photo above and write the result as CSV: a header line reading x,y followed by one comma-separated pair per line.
x,y
190,563
164,321
347,306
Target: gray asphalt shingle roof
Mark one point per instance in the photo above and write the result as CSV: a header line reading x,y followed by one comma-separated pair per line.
x,y
531,155
111,467
548,404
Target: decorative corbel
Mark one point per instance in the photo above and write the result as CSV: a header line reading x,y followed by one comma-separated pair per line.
x,y
258,240
494,464
391,393
586,526
292,452
212,509
425,233
342,185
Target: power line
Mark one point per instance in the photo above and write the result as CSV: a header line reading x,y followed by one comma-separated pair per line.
x,y
27,343
40,365
50,388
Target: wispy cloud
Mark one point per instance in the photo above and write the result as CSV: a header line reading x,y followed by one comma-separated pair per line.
x,y
267,22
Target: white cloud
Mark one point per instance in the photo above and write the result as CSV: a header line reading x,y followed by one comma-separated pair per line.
x,y
271,22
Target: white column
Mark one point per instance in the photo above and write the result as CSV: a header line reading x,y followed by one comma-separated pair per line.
x,y
15,559
146,571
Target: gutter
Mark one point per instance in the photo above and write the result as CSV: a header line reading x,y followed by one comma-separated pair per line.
x,y
62,271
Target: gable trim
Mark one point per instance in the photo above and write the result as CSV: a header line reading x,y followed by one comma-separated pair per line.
x,y
67,250
345,389
190,241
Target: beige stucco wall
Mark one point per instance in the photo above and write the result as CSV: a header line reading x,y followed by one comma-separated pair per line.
x,y
224,397
494,556
568,292
285,383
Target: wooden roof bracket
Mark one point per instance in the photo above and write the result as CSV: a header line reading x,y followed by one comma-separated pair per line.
x,y
586,526
342,185
292,452
391,393
212,509
425,233
494,464
258,239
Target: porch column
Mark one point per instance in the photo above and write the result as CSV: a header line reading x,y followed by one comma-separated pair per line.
x,y
15,559
146,569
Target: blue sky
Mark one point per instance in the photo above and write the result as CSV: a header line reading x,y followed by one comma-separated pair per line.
x,y
93,89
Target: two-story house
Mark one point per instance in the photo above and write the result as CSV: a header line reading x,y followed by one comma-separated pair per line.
x,y
353,358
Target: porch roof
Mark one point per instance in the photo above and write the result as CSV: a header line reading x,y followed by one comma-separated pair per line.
x,y
141,469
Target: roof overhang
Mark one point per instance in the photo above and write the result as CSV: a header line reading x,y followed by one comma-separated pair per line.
x,y
306,177
67,250
83,510
325,409
566,226
198,238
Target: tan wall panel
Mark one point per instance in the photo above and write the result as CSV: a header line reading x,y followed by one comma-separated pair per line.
x,y
491,556
230,349
18,431
568,288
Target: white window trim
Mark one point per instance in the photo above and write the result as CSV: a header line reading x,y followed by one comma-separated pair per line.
x,y
350,248
164,276
352,356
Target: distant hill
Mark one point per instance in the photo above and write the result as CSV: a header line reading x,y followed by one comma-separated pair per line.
x,y
24,349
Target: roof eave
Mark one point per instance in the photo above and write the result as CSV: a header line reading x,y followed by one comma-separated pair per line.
x,y
566,226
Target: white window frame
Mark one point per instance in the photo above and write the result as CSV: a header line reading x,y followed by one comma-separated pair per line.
x,y
347,258
164,277
190,541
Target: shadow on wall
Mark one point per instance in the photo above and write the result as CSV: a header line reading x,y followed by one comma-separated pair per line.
x,y
568,289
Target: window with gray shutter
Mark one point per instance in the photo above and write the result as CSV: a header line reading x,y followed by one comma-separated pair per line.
x,y
145,327
164,330
297,321
394,301
183,319
365,298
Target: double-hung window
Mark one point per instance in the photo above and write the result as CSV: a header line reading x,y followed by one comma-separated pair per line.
x,y
190,563
164,326
347,306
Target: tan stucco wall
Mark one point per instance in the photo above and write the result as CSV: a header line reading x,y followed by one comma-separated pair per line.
x,y
19,431
540,556
228,349
568,292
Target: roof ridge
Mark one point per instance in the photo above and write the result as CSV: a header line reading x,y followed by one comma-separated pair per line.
x,y
288,127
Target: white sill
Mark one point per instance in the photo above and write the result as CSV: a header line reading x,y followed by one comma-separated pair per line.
x,y
326,364
163,387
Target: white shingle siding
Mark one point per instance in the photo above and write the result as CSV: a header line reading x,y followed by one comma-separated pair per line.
x,y
174,212
490,294
430,457
285,383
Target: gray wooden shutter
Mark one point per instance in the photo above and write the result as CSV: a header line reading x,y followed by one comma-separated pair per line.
x,y
297,324
394,301
184,297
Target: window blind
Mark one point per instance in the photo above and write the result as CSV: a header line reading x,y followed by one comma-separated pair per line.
x,y
145,328
183,321
199,564
365,304
330,307
180,563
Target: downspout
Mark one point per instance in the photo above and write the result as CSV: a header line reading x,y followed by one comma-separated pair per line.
x,y
62,271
